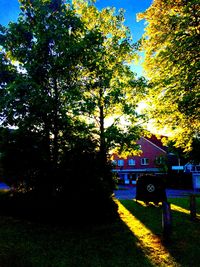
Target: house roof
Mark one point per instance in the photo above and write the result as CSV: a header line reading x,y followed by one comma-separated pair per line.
x,y
157,142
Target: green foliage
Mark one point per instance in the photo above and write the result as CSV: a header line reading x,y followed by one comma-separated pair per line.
x,y
22,157
65,72
171,45
112,91
162,163
194,155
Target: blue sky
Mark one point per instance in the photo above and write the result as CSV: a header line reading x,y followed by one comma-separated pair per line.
x,y
9,10
132,7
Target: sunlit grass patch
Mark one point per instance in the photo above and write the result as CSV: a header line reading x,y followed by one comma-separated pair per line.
x,y
179,209
184,203
133,241
184,245
150,243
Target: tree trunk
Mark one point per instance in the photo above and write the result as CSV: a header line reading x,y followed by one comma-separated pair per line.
x,y
103,152
55,130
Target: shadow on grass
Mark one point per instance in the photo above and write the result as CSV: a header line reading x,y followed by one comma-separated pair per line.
x,y
34,245
49,233
150,215
24,243
184,245
61,210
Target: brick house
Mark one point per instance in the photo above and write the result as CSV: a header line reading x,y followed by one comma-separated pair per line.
x,y
151,160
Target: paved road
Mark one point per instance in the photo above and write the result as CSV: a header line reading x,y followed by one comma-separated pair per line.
x,y
129,192
4,186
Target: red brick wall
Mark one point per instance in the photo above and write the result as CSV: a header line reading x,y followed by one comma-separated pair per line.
x,y
149,150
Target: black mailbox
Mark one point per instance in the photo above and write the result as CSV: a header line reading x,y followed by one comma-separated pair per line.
x,y
150,188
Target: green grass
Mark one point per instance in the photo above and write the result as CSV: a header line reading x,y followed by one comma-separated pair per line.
x,y
27,244
184,243
185,202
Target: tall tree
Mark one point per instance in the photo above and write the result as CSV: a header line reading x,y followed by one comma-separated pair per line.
x,y
171,44
71,66
41,62
111,89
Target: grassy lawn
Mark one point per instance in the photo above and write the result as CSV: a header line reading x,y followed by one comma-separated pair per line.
x,y
184,245
135,240
26,244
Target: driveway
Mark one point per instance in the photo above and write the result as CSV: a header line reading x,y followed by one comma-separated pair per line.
x,y
129,192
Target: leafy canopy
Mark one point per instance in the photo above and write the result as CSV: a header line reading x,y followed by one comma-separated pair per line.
x,y
65,72
171,44
112,90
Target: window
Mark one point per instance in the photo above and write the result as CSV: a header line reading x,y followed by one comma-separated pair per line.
x,y
114,162
160,160
120,162
144,161
131,162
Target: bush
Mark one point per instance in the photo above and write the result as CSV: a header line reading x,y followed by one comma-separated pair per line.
x,y
78,187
